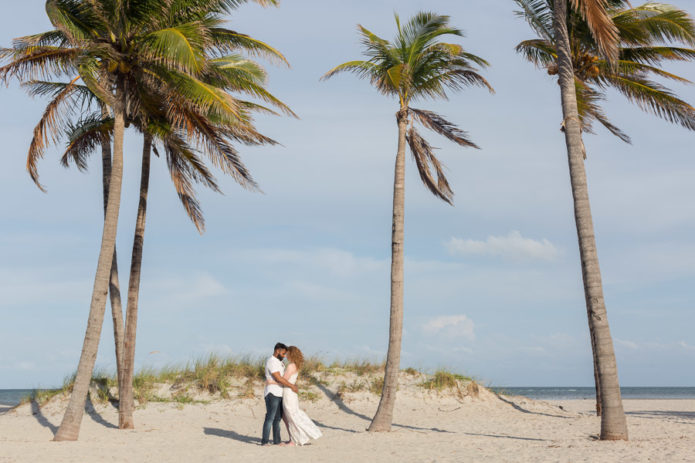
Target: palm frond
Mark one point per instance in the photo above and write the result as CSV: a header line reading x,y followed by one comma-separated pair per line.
x,y
360,68
181,47
589,109
655,55
228,41
425,161
47,130
38,63
438,124
654,98
655,22
538,51
84,137
539,16
600,23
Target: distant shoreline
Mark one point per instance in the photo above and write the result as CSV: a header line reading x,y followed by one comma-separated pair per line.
x,y
11,397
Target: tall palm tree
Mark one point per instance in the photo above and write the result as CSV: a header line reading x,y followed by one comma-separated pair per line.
x,y
646,34
415,65
606,35
613,423
119,50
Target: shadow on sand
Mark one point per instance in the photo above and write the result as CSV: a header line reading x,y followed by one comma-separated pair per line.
x,y
94,414
335,428
687,417
228,434
41,418
88,408
344,408
498,436
523,410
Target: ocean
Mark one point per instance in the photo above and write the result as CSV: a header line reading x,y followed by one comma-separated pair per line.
x,y
568,393
11,397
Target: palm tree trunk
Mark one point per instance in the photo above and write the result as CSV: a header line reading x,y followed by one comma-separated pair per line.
x,y
613,425
127,400
70,426
114,286
384,414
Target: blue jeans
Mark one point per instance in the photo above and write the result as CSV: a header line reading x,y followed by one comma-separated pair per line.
x,y
273,416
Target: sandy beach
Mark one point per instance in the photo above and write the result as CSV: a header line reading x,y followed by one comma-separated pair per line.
x,y
429,427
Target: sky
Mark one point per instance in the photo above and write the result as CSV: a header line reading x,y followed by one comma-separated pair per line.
x,y
492,285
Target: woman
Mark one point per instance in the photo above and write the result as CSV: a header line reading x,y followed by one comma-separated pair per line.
x,y
299,425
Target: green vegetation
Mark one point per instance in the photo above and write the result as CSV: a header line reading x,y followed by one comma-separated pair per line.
x,y
241,378
376,385
442,380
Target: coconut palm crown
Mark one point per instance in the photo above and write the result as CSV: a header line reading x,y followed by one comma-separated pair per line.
x,y
647,34
416,65
146,48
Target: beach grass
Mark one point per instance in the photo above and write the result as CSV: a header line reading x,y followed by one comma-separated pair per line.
x,y
443,380
239,377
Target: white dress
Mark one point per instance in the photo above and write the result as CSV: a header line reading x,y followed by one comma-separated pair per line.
x,y
299,424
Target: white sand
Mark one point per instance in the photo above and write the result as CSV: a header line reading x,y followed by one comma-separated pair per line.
x,y
428,428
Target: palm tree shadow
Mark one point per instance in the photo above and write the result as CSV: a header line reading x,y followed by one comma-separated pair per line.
x,y
229,434
499,436
335,398
687,417
523,410
93,414
335,428
41,418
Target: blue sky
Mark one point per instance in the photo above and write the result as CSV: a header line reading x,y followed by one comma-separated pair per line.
x,y
493,285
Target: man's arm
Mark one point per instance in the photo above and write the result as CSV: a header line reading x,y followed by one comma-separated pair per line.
x,y
280,380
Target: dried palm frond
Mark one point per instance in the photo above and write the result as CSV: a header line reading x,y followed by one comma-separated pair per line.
x,y
437,123
48,129
426,161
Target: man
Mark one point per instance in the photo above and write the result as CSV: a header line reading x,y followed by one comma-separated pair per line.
x,y
274,369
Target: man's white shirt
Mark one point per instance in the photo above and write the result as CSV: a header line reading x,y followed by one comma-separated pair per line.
x,y
273,365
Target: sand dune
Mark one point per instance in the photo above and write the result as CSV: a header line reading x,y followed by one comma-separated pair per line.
x,y
429,427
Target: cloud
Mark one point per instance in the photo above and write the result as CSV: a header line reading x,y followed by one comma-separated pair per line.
x,y
686,346
455,326
512,246
629,344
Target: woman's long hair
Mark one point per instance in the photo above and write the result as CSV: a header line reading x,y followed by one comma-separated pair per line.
x,y
295,355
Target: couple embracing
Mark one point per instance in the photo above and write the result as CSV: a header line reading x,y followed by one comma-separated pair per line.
x,y
281,400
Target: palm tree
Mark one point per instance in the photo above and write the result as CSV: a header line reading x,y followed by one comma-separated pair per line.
x,y
108,44
645,34
604,63
613,424
416,65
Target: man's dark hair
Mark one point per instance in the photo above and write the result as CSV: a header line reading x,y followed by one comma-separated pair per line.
x,y
280,346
